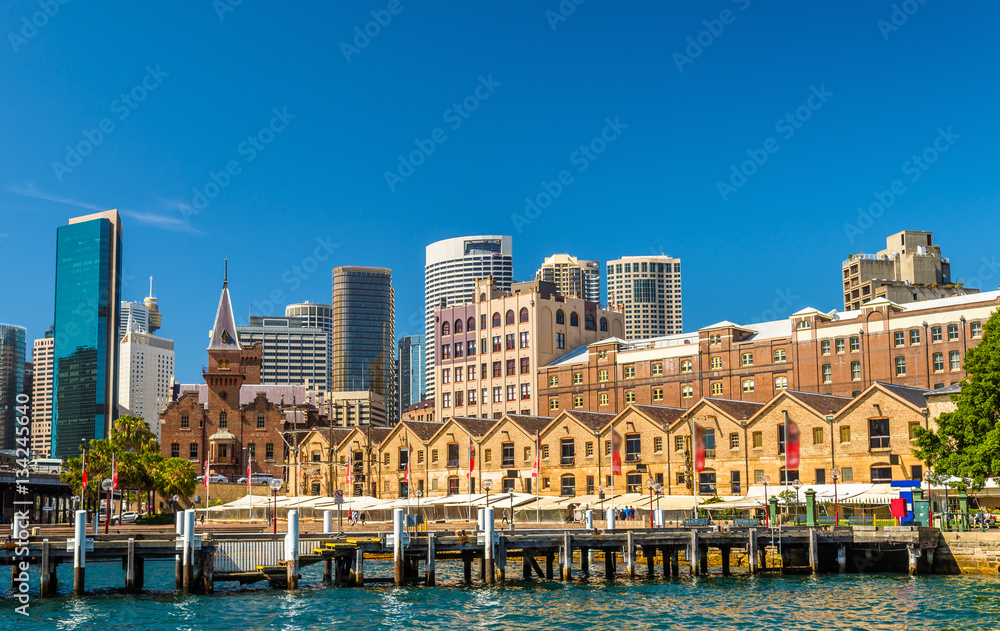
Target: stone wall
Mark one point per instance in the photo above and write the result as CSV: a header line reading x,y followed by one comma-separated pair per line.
x,y
968,553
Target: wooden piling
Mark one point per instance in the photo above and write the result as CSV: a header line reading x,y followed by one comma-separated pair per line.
x,y
207,571
630,554
650,553
482,568
693,553
813,551
130,568
292,551
488,563
79,553
913,556
397,529
842,559
179,559
665,554
43,569
187,552
327,570
502,553
467,567
703,561
549,562
359,567
609,564
526,563
566,557
429,566
725,550
752,556
585,556
675,562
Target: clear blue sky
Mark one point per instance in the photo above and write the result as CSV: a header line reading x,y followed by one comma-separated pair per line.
x,y
768,247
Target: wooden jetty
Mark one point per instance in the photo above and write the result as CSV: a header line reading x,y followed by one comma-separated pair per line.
x,y
201,560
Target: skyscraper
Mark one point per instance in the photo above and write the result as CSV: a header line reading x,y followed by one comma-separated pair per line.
x,y
41,396
647,289
412,380
145,374
574,278
364,333
316,316
88,290
451,269
294,353
11,381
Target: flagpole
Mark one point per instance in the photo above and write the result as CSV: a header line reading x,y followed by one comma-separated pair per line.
x,y
612,439
470,478
249,490
538,450
208,490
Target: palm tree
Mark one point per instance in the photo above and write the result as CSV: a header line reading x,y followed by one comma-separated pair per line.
x,y
175,476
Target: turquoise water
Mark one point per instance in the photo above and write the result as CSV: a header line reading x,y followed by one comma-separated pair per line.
x,y
853,601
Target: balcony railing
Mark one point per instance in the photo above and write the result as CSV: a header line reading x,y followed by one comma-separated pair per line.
x,y
709,454
633,457
567,460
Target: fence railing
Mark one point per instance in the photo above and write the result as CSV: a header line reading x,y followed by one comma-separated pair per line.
x,y
247,556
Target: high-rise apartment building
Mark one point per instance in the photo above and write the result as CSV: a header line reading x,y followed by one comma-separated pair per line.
x,y
910,268
572,277
41,396
451,269
11,381
294,354
87,298
364,333
647,290
316,316
489,351
412,366
145,375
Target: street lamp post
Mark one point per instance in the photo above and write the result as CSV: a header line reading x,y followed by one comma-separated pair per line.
x,y
767,509
835,474
659,489
796,485
649,485
487,485
106,484
275,487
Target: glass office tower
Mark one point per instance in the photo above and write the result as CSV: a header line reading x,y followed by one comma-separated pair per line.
x,y
88,290
364,333
412,364
12,340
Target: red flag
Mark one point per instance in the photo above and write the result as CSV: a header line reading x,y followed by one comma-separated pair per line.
x,y
616,455
114,473
699,448
249,462
534,469
472,458
84,467
791,445
409,452
206,473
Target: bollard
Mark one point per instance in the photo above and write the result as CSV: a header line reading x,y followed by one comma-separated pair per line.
x,y
588,517
566,556
397,552
96,522
491,575
481,519
430,560
813,551
178,559
752,551
359,567
79,552
630,554
43,569
693,553
610,513
292,550
842,559
187,552
130,568
327,522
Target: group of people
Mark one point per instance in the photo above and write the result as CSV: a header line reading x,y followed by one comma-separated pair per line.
x,y
355,517
625,514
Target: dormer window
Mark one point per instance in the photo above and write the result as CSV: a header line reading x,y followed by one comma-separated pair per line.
x,y
804,324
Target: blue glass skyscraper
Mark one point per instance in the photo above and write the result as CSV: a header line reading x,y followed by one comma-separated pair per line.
x,y
11,381
88,292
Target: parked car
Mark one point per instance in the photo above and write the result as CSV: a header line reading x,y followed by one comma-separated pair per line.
x,y
258,478
214,477
128,517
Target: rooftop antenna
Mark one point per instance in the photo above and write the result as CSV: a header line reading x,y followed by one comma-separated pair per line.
x,y
225,274
150,286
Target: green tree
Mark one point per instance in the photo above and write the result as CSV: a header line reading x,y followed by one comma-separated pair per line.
x,y
175,476
966,442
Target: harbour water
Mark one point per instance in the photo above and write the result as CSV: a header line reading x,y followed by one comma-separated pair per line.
x,y
869,602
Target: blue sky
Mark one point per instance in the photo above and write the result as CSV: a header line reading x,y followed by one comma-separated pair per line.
x,y
866,91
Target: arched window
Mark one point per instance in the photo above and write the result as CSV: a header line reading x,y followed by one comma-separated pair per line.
x,y
446,328
574,320
588,322
223,420
604,324
560,317
510,316
524,314
470,325
567,486
458,326
496,319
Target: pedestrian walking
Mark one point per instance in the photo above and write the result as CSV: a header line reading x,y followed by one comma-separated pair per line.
x,y
503,518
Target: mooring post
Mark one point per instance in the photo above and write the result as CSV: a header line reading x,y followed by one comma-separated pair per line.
x,y
292,550
130,567
929,552
397,545
589,517
187,551
43,570
549,562
675,562
630,554
359,567
666,561
752,551
96,521
842,559
207,570
566,556
467,567
79,552
491,575
502,553
179,558
813,551
586,556
481,519
725,551
650,553
693,553
328,570
609,564
328,522
430,560
525,564
913,554
610,514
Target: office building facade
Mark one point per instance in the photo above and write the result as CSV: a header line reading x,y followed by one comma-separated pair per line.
x,y
87,301
647,290
910,268
411,370
12,340
574,278
41,395
145,375
293,354
451,269
364,333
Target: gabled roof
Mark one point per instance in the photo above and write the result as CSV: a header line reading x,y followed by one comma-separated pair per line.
x,y
378,434
736,410
594,420
914,396
821,403
422,429
954,388
224,329
659,413
335,435
725,324
609,340
530,424
472,425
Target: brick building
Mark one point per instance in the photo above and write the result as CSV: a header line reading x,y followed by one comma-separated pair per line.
x,y
921,344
